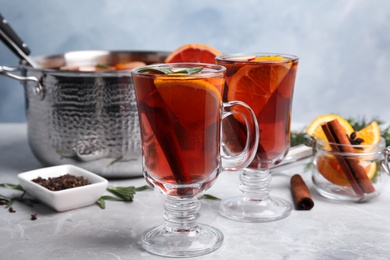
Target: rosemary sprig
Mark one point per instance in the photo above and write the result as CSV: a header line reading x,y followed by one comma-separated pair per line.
x,y
208,197
10,200
125,194
386,135
12,186
297,138
115,160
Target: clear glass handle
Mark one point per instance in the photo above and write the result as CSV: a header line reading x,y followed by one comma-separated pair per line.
x,y
245,157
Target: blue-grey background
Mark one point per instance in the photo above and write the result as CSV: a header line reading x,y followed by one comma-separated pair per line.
x,y
344,46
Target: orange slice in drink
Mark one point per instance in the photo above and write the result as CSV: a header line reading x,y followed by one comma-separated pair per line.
x,y
254,84
268,58
194,102
194,52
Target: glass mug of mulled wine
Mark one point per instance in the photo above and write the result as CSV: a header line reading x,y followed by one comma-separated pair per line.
x,y
346,172
181,112
264,81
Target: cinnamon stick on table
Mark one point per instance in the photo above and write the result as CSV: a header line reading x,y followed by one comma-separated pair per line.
x,y
355,173
301,194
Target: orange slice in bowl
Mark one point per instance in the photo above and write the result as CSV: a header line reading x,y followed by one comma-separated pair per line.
x,y
194,52
203,108
315,130
371,134
330,169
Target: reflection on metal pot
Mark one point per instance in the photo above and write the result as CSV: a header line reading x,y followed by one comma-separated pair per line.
x,y
88,119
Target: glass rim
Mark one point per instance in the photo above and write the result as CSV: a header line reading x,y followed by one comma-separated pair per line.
x,y
361,149
233,57
218,69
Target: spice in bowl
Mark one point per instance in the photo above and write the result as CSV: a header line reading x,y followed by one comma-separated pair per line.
x,y
63,187
62,182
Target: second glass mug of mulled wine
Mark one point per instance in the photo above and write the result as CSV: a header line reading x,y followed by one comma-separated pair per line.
x,y
181,112
264,81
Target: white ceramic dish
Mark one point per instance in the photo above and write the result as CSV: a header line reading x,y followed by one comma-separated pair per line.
x,y
64,199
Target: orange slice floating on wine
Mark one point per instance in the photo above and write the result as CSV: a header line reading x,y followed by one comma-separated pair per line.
x,y
203,108
254,84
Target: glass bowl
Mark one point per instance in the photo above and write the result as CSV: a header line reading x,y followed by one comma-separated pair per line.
x,y
66,199
342,176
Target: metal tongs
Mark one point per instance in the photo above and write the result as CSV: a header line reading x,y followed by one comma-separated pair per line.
x,y
297,155
14,43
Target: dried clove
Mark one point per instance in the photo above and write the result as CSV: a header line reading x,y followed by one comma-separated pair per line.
x,y
3,202
63,182
34,216
355,141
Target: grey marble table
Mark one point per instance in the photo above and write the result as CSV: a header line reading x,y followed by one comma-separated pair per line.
x,y
328,231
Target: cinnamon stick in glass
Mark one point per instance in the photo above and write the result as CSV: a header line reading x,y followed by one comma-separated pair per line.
x,y
301,194
166,136
355,173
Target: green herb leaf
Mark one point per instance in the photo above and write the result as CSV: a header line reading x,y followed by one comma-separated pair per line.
x,y
115,160
12,186
114,198
208,197
188,71
156,70
101,203
386,135
125,193
11,201
26,201
142,188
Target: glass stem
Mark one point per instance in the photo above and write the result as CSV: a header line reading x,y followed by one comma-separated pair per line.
x,y
255,184
181,214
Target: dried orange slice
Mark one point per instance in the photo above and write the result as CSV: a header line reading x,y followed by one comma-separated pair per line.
x,y
203,108
254,84
194,52
315,130
371,134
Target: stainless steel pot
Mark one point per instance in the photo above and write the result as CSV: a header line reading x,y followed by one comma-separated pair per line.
x,y
88,119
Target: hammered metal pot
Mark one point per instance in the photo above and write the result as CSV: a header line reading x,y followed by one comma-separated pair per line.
x,y
88,119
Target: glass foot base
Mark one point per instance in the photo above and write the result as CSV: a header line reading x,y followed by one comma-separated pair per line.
x,y
252,210
199,241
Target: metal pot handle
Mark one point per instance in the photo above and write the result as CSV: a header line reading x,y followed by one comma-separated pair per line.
x,y
38,90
